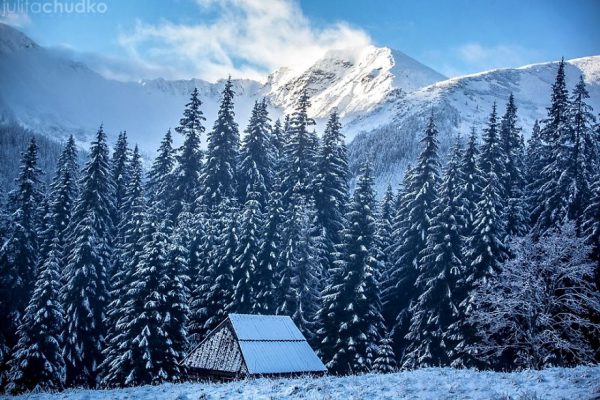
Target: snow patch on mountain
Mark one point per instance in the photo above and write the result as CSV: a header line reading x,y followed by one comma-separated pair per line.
x,y
388,135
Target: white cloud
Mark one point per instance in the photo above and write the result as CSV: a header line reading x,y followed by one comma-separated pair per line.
x,y
16,19
249,39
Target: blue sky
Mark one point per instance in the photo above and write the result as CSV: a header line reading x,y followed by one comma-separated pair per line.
x,y
213,38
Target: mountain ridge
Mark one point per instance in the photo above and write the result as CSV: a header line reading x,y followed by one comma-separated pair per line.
x,y
382,95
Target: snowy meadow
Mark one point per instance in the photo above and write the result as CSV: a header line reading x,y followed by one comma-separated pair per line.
x,y
429,383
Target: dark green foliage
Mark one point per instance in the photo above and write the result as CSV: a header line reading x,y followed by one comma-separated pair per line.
x,y
219,174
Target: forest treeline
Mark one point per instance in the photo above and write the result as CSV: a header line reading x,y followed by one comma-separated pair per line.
x,y
109,275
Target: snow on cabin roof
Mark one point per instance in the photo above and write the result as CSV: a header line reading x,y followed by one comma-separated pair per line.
x,y
280,357
265,327
266,344
273,344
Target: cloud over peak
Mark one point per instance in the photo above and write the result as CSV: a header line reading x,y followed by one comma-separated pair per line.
x,y
248,38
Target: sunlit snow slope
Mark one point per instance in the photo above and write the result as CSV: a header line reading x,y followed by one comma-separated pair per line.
x,y
383,96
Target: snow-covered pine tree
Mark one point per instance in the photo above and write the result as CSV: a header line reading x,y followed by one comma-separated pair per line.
x,y
441,268
120,175
351,313
196,235
584,158
219,296
160,176
246,255
421,194
175,283
63,194
223,142
552,184
256,167
299,267
19,253
129,246
492,160
267,274
85,295
385,362
470,190
148,357
186,185
385,235
400,217
300,154
38,362
278,140
535,158
485,251
513,180
331,187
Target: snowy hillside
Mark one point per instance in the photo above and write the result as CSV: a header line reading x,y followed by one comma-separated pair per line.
x,y
383,96
436,383
51,94
389,134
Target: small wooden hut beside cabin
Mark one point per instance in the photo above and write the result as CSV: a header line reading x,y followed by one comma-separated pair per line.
x,y
253,345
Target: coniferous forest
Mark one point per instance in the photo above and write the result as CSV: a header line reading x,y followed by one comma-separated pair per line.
x,y
487,257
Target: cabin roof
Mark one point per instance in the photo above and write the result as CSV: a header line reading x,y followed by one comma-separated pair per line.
x,y
269,344
265,327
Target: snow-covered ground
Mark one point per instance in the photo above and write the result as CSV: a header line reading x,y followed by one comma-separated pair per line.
x,y
432,383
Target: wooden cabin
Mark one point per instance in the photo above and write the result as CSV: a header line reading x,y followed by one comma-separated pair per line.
x,y
253,345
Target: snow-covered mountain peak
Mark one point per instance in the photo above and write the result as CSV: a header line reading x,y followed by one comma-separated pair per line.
x,y
351,80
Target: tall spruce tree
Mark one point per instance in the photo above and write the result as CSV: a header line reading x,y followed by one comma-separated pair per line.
x,y
256,166
267,274
120,175
300,153
300,268
19,253
278,140
219,174
556,174
160,177
485,251
421,195
85,295
440,270
196,234
63,194
148,358
535,155
331,186
189,156
176,286
513,180
385,235
470,190
584,154
38,362
246,254
219,296
129,248
351,314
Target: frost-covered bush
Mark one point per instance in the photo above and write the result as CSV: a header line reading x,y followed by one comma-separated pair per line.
x,y
535,313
